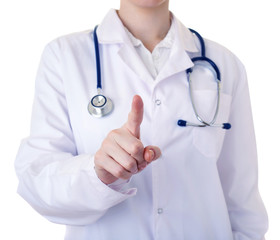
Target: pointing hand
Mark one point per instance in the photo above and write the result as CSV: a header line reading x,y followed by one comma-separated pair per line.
x,y
122,153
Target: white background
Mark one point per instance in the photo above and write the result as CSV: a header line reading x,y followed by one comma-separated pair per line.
x,y
248,28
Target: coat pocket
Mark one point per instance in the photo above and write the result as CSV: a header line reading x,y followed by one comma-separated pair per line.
x,y
209,140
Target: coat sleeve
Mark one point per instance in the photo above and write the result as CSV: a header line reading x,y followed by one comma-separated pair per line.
x,y
238,169
57,182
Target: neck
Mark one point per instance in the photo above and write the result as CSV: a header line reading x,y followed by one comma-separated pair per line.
x,y
149,24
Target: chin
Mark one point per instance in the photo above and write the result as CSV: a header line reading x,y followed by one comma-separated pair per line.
x,y
149,3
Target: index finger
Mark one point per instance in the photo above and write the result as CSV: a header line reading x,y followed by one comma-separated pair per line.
x,y
135,116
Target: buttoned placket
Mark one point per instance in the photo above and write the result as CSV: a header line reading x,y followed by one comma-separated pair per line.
x,y
157,167
154,63
157,208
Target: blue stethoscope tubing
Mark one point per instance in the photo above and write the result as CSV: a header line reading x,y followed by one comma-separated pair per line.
x,y
100,105
97,58
212,123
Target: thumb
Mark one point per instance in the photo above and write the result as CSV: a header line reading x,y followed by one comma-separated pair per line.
x,y
135,116
151,153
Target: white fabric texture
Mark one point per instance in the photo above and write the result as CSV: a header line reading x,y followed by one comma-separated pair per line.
x,y
203,187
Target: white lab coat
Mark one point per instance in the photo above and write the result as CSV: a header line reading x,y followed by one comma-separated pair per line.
x,y
203,187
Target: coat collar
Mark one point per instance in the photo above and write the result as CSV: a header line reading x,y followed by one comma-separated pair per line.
x,y
111,30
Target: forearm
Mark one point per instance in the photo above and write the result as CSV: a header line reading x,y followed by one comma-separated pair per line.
x,y
67,190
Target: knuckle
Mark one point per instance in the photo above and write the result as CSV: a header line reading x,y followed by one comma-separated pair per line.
x,y
99,161
106,143
119,172
113,133
130,165
97,157
136,148
97,164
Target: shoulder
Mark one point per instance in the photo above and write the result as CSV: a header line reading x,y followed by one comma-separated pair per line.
x,y
70,48
233,72
215,51
222,54
72,41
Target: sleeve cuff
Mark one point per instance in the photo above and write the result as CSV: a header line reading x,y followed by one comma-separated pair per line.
x,y
117,188
119,184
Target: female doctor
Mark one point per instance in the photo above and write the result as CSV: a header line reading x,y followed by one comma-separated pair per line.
x,y
105,177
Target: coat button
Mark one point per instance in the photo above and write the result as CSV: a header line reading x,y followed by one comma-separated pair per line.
x,y
160,211
158,102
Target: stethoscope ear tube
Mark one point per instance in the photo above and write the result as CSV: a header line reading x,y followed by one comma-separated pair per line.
x,y
202,58
216,72
97,58
183,123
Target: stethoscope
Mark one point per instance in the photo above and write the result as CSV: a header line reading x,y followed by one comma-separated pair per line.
x,y
101,105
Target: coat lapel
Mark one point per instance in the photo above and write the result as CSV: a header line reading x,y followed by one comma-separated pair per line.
x,y
179,60
111,31
132,59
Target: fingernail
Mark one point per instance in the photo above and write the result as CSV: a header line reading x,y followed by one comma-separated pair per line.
x,y
152,154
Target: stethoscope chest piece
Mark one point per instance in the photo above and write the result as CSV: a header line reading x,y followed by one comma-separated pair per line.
x,y
100,106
